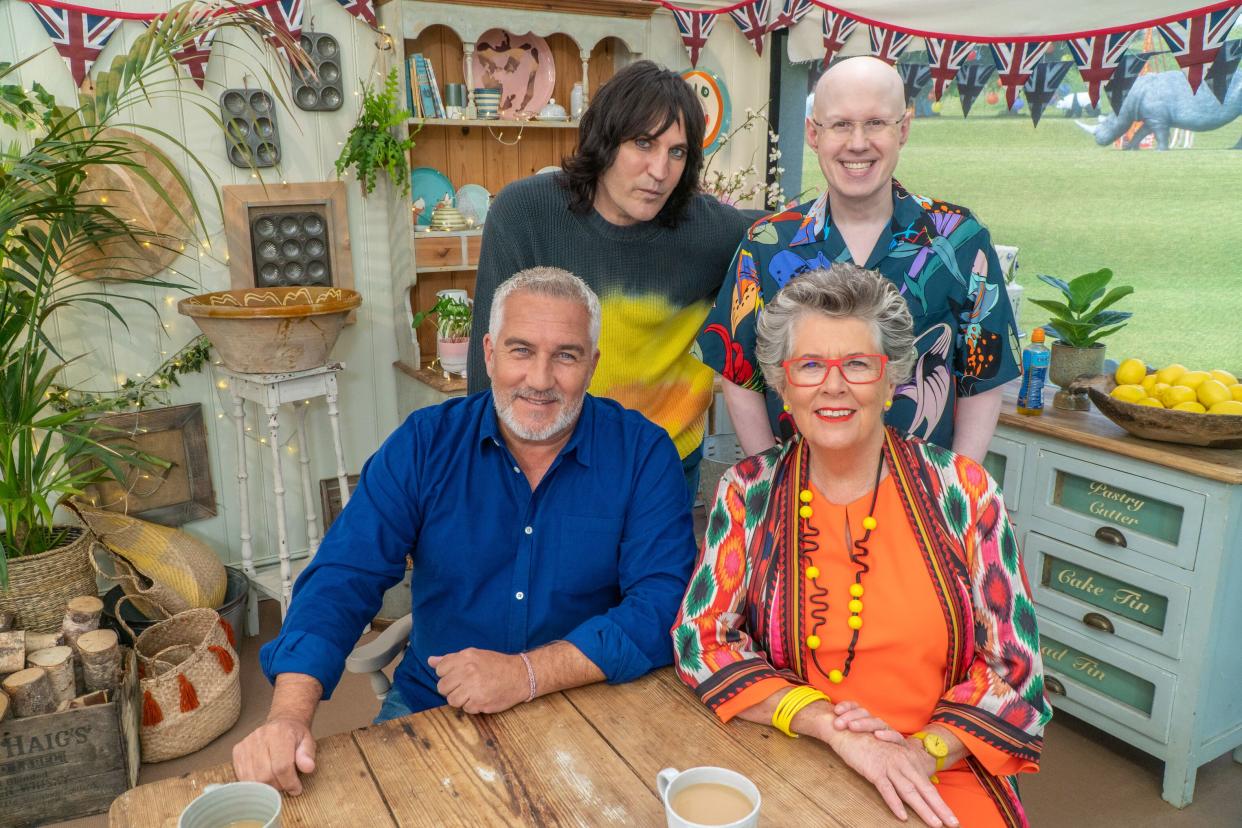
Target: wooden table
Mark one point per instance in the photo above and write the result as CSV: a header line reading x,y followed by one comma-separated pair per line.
x,y
583,757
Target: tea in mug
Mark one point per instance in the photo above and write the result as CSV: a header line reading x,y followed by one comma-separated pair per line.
x,y
245,823
710,803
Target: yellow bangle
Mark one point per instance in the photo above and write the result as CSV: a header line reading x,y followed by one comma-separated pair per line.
x,y
792,704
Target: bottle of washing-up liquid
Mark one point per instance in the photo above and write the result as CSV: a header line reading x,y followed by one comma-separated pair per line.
x,y
1034,374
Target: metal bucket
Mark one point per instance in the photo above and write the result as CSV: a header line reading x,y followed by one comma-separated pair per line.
x,y
233,610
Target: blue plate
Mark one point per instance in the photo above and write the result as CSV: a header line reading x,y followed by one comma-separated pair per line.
x,y
431,186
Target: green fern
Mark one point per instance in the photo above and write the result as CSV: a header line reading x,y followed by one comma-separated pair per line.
x,y
371,145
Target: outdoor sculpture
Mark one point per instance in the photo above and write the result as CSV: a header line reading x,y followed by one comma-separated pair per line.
x,y
1163,101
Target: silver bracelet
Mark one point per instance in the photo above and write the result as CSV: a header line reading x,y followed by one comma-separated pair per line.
x,y
530,675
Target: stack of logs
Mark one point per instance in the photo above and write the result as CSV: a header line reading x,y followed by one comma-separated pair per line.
x,y
50,672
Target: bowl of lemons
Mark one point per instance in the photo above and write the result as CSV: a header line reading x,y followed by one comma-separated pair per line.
x,y
1175,404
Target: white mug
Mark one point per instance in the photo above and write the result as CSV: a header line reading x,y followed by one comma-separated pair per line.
x,y
221,805
671,781
456,294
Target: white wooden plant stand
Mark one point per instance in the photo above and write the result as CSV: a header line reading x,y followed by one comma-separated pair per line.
x,y
271,391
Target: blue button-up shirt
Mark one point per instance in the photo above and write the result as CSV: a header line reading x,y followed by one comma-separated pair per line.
x,y
597,555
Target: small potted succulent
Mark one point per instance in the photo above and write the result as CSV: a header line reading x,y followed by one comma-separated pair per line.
x,y
453,312
1078,324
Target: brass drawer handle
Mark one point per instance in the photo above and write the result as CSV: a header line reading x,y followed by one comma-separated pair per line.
x,y
1053,685
1109,535
1098,622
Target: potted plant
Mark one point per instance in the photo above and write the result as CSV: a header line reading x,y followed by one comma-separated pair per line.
x,y
49,449
371,145
1078,324
453,314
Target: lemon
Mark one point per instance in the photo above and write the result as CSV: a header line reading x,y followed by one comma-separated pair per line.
x,y
1158,389
1193,379
1224,376
1227,407
1130,372
1175,394
1236,390
1192,406
1148,382
1129,393
1213,391
1151,401
1170,373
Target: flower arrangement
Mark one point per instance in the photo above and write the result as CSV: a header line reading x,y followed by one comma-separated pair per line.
x,y
746,184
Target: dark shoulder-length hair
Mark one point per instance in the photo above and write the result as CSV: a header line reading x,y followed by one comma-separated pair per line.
x,y
641,99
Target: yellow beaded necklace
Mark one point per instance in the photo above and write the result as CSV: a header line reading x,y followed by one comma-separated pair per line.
x,y
817,595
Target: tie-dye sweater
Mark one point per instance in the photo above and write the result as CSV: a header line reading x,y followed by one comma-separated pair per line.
x,y
655,284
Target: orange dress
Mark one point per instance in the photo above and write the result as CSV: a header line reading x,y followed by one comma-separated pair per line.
x,y
901,656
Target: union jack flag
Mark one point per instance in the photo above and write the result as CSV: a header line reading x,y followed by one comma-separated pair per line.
x,y
791,14
1042,86
78,36
752,19
1196,40
195,54
1223,67
837,29
285,15
695,27
362,9
945,57
1016,61
1097,58
887,44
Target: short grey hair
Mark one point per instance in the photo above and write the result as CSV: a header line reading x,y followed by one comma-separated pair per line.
x,y
841,291
546,281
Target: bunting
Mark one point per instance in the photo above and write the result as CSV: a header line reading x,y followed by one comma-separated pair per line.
x,y
837,29
1097,59
887,44
791,14
1223,67
752,19
1042,86
1195,41
79,36
285,15
944,58
364,10
914,77
1129,67
1014,64
971,80
695,27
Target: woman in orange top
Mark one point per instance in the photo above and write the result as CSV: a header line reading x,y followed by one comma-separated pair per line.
x,y
937,699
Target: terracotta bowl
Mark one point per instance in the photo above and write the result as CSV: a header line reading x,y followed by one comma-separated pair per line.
x,y
1210,430
272,330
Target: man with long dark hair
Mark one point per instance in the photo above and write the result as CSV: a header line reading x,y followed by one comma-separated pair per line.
x,y
625,215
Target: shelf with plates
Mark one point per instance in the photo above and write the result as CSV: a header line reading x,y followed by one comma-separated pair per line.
x,y
494,123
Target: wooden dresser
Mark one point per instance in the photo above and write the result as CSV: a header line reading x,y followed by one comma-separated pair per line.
x,y
1134,552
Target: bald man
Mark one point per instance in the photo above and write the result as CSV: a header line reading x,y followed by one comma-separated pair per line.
x,y
938,254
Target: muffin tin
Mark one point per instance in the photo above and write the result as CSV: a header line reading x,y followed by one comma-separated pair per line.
x,y
290,247
321,91
250,132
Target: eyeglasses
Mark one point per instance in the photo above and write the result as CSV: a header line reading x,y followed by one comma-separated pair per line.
x,y
844,129
857,369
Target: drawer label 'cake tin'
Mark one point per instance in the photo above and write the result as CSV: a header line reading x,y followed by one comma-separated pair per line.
x,y
1098,675
1131,511
1099,590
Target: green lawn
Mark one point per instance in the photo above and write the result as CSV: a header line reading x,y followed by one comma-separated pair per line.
x,y
1169,223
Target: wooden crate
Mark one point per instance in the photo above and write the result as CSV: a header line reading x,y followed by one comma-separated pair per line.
x,y
65,765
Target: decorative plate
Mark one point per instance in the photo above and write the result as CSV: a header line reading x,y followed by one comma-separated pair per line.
x,y
520,65
712,93
431,186
473,201
549,169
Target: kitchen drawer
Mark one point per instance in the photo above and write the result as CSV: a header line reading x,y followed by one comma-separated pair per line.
x,y
447,251
1004,463
1113,684
1124,516
1109,600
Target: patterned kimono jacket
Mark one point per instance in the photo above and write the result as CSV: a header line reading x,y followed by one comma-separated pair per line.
x,y
736,628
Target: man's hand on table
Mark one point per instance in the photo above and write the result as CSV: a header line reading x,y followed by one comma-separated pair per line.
x,y
283,745
481,681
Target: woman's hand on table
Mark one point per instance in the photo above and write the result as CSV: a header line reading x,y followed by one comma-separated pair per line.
x,y
275,753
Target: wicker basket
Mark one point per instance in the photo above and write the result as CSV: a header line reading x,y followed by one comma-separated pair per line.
x,y
40,585
191,691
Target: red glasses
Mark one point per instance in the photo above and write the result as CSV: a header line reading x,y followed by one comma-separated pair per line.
x,y
857,369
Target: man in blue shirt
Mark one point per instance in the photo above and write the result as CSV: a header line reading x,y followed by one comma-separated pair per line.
x,y
548,531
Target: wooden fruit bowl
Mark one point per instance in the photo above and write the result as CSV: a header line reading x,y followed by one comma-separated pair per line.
x,y
1188,428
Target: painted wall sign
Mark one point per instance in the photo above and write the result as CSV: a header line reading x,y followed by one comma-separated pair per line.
x,y
1100,676
712,93
1115,505
1099,590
